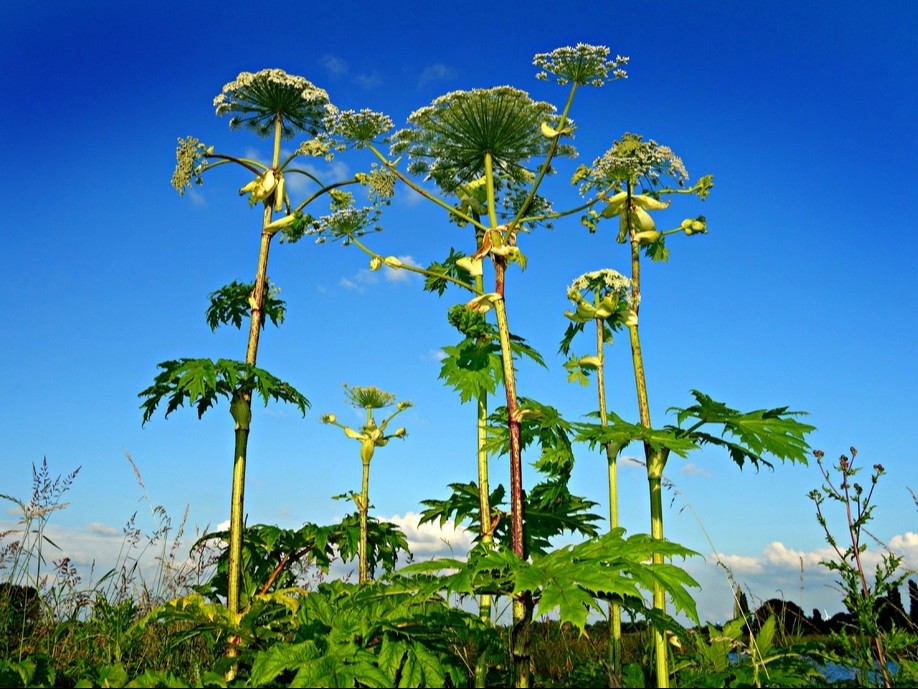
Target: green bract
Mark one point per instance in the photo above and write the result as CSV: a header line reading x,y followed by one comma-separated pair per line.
x,y
583,64
256,100
449,139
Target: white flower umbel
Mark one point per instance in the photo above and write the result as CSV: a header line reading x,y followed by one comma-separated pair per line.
x,y
607,281
257,99
631,159
581,65
449,139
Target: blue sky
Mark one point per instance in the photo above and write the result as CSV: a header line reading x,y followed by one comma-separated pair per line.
x,y
802,293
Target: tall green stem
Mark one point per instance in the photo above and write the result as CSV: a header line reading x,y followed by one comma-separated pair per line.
x,y
522,613
615,612
237,502
363,572
523,604
484,502
655,459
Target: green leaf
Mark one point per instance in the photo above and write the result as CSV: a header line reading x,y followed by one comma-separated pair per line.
x,y
572,330
279,658
471,368
657,251
230,304
539,423
763,431
201,381
438,272
620,433
390,657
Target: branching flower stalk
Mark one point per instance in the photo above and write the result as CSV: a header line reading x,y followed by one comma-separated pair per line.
x,y
603,297
370,436
275,105
630,161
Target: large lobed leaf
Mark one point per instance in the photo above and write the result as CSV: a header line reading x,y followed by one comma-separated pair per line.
x,y
201,381
759,432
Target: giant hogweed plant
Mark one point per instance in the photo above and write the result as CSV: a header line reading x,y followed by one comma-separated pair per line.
x,y
371,435
279,106
633,169
603,298
488,151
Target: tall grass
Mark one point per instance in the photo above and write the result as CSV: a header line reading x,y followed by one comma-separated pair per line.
x,y
50,610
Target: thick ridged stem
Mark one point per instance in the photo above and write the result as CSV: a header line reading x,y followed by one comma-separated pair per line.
x,y
655,459
363,574
237,500
615,612
236,525
516,464
485,601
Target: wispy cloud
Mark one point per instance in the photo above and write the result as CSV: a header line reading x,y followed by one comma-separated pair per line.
x,y
402,276
692,469
435,355
365,277
337,67
334,171
334,65
436,72
103,529
369,80
359,281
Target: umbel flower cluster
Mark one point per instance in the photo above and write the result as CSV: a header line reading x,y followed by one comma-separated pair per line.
x,y
581,65
257,99
189,156
602,294
449,139
606,282
631,159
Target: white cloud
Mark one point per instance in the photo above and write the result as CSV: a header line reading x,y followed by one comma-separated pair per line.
x,y
364,277
335,171
430,539
906,546
692,469
359,281
369,80
436,72
402,276
334,65
254,154
102,529
778,554
740,564
435,355
408,197
197,198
